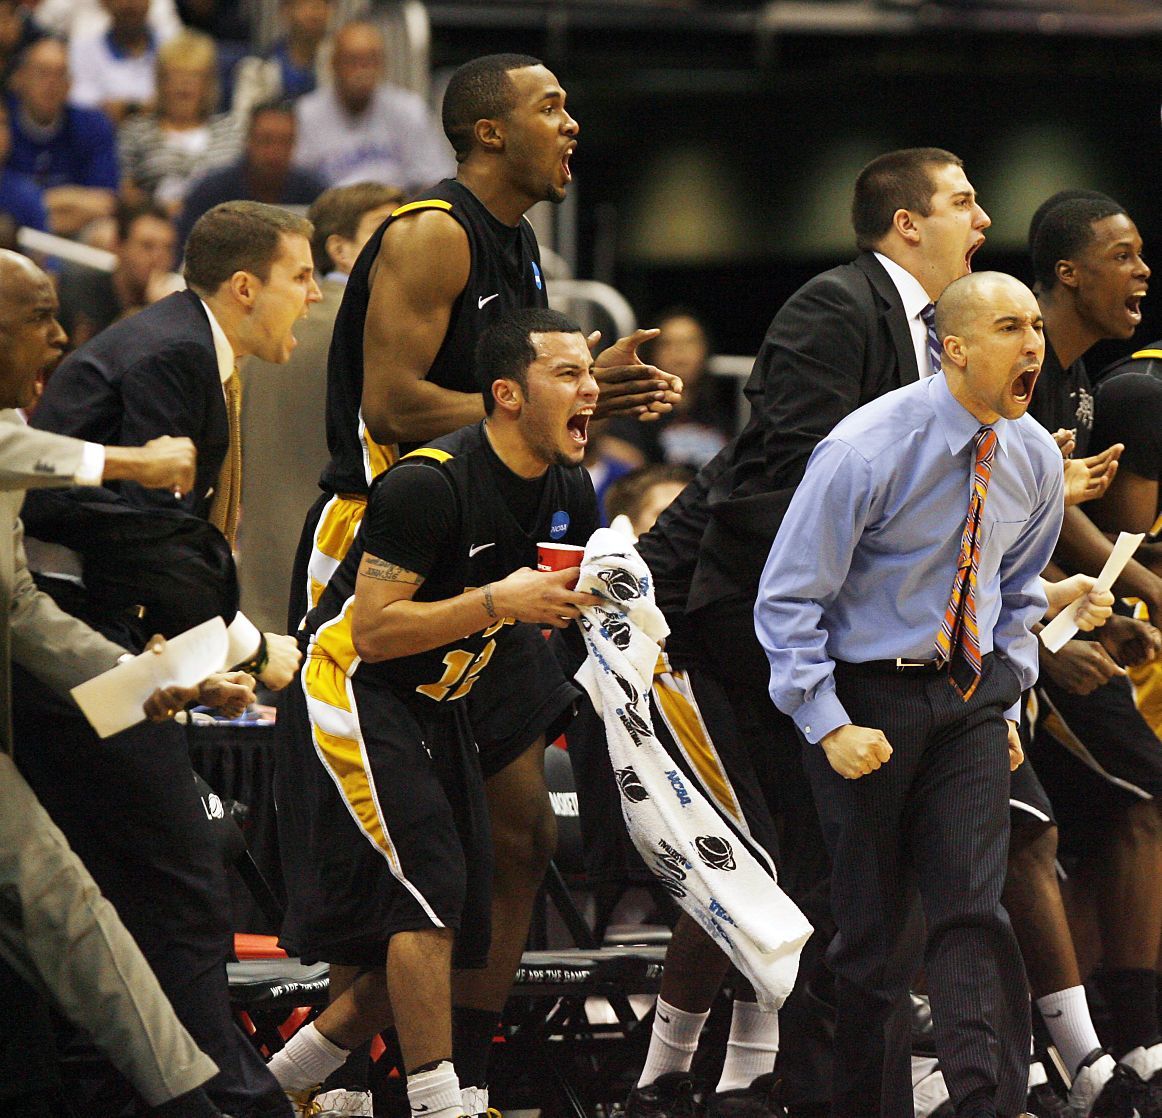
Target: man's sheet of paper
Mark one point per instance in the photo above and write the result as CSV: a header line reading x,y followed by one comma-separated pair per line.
x,y
113,701
1064,626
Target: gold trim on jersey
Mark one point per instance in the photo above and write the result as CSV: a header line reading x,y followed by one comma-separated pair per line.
x,y
678,707
432,452
422,204
376,456
1146,353
334,534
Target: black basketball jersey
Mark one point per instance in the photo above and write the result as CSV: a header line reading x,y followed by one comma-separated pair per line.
x,y
486,543
505,275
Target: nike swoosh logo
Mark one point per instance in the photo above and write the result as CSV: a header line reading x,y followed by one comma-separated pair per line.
x,y
1057,1014
485,299
663,1017
479,547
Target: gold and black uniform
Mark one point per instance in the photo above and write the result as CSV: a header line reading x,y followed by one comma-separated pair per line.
x,y
505,275
382,817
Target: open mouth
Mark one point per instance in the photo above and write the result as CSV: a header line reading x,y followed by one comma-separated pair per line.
x,y
565,169
578,427
1134,306
1022,387
970,254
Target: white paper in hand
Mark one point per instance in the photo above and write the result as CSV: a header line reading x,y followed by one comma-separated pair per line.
x,y
113,701
1064,626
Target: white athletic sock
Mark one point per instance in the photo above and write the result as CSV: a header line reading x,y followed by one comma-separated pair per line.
x,y
751,1048
1066,1016
306,1060
474,1100
435,1093
673,1041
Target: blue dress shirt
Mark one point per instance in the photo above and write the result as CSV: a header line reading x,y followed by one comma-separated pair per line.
x,y
863,564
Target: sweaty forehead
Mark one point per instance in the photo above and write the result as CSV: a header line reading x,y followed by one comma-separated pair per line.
x,y
534,83
294,251
22,290
560,347
1113,230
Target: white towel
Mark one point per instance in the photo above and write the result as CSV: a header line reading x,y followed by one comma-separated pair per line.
x,y
717,875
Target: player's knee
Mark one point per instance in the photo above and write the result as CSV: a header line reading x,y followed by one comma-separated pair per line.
x,y
1141,824
1033,850
523,845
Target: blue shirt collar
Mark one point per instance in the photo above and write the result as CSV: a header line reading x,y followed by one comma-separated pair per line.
x,y
956,421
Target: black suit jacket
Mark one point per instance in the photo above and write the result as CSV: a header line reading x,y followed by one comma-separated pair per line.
x,y
839,342
154,373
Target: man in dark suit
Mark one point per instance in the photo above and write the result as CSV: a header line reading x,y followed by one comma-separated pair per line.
x,y
168,371
250,274
846,337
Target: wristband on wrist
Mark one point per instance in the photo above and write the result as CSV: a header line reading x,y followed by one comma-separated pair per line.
x,y
257,662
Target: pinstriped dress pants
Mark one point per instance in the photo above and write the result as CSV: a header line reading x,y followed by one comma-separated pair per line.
x,y
931,824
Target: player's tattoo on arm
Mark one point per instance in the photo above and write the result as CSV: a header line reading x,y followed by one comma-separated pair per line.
x,y
489,608
389,572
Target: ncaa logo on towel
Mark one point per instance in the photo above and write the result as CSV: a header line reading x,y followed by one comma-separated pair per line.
x,y
679,788
537,277
559,524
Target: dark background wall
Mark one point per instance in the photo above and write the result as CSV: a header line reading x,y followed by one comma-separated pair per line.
x,y
716,162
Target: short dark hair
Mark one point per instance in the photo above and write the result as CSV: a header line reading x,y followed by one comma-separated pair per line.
x,y
126,213
1056,200
480,89
1064,229
899,180
237,237
284,106
340,209
626,496
505,349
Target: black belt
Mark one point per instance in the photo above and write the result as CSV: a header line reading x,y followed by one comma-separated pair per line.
x,y
900,664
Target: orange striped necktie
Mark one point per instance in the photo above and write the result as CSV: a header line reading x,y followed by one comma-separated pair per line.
x,y
958,641
227,501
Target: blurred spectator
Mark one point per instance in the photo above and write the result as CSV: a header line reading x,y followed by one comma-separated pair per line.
x,y
163,152
291,67
71,152
17,31
71,19
344,218
113,70
91,299
363,128
702,421
263,174
20,197
642,495
283,405
226,21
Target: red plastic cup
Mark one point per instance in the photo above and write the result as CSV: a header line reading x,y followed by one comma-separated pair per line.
x,y
559,557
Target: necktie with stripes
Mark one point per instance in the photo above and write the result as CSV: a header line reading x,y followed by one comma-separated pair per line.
x,y
228,493
958,641
928,315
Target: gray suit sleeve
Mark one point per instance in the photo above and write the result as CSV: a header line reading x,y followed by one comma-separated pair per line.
x,y
56,647
31,459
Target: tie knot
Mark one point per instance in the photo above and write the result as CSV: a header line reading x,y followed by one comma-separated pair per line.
x,y
928,315
986,442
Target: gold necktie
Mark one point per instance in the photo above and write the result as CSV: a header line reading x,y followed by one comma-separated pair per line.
x,y
228,494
